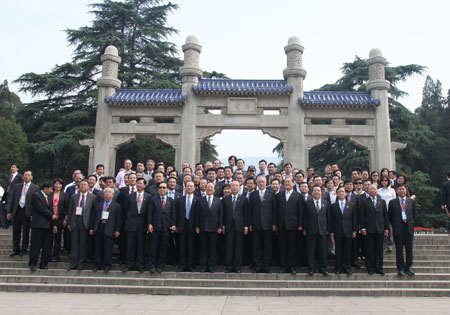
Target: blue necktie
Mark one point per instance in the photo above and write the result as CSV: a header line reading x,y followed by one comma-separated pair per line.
x,y
374,201
342,206
188,207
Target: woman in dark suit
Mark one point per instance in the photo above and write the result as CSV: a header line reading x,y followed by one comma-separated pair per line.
x,y
60,205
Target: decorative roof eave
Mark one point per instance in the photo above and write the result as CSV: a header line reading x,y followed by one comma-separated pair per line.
x,y
350,106
335,99
240,93
125,97
156,104
242,87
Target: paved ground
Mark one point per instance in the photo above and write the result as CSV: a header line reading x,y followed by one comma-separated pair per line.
x,y
60,303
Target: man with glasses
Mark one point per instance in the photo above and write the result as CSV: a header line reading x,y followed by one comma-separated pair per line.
x,y
161,221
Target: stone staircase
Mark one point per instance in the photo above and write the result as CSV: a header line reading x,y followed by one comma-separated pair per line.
x,y
431,264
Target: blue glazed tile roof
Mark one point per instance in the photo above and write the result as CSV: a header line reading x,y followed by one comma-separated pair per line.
x,y
226,86
146,97
338,98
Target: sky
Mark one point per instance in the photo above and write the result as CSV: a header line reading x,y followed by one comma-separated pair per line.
x,y
246,39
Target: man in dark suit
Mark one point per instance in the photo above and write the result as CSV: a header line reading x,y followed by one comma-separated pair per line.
x,y
105,225
351,197
136,226
289,220
14,178
122,200
174,191
317,212
304,191
161,220
262,208
152,187
41,226
81,210
18,209
209,221
235,221
74,189
375,226
110,182
343,225
211,175
445,195
186,208
299,179
402,216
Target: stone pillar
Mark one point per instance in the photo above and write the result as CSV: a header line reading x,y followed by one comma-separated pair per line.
x,y
294,74
190,73
89,143
107,85
378,87
395,146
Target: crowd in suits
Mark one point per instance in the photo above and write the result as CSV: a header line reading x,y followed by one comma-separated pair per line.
x,y
213,215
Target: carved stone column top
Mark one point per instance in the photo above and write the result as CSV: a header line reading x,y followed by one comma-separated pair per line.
x,y
397,146
110,68
87,143
277,133
191,50
294,51
377,75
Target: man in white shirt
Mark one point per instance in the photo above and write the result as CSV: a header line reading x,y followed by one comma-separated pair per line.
x,y
120,182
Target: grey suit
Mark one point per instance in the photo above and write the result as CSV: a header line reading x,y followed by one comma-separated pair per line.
x,y
79,228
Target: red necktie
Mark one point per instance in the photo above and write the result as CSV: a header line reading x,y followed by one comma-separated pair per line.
x,y
163,202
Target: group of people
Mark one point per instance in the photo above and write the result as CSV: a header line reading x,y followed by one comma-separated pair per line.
x,y
231,214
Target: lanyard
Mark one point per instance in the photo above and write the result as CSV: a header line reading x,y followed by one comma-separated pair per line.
x,y
106,207
81,201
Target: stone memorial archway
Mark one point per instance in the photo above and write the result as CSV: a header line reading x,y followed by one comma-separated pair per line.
x,y
183,118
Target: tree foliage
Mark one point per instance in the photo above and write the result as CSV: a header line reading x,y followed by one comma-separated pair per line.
x,y
14,146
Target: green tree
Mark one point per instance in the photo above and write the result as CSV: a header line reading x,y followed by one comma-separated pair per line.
x,y
14,146
64,111
9,102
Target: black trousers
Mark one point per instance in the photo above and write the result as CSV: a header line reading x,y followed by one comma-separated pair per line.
x,y
317,252
103,248
262,248
208,250
4,224
374,251
302,255
21,225
287,240
79,248
158,249
55,242
67,239
404,239
234,242
187,244
40,239
123,243
136,249
343,249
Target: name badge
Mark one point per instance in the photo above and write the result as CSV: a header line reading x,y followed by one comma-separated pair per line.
x,y
105,215
22,199
79,211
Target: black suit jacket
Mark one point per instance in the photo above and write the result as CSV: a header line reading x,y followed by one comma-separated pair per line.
x,y
262,212
71,190
218,189
137,221
317,223
63,204
160,219
124,192
290,214
101,195
209,220
41,211
445,194
152,190
17,180
88,211
177,195
180,206
374,220
112,225
240,215
343,225
14,198
395,215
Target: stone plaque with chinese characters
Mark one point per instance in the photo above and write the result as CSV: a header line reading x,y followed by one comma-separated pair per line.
x,y
242,105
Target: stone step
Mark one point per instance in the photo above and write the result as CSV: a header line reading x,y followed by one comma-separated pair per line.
x,y
220,275
165,290
226,283
388,267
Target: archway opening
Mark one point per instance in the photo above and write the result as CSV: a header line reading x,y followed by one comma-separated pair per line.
x,y
249,145
341,151
144,148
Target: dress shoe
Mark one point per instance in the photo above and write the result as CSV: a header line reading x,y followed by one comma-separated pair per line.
x,y
256,270
72,267
338,272
158,270
202,269
238,270
125,269
189,269
180,269
212,270
227,270
14,254
293,271
23,252
107,270
371,272
80,268
400,273
95,269
141,270
410,272
324,272
380,272
348,272
43,267
33,268
152,270
311,273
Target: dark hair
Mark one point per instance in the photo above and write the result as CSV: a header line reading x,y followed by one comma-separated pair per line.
x,y
226,186
99,165
229,167
221,168
300,172
314,186
158,172
46,184
384,169
271,163
211,169
142,179
232,157
199,163
400,175
58,180
327,181
27,170
174,170
287,164
310,168
250,179
357,169
186,168
339,187
400,185
275,180
347,181
260,161
92,176
385,178
14,164
171,177
84,180
240,160
111,178
159,184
